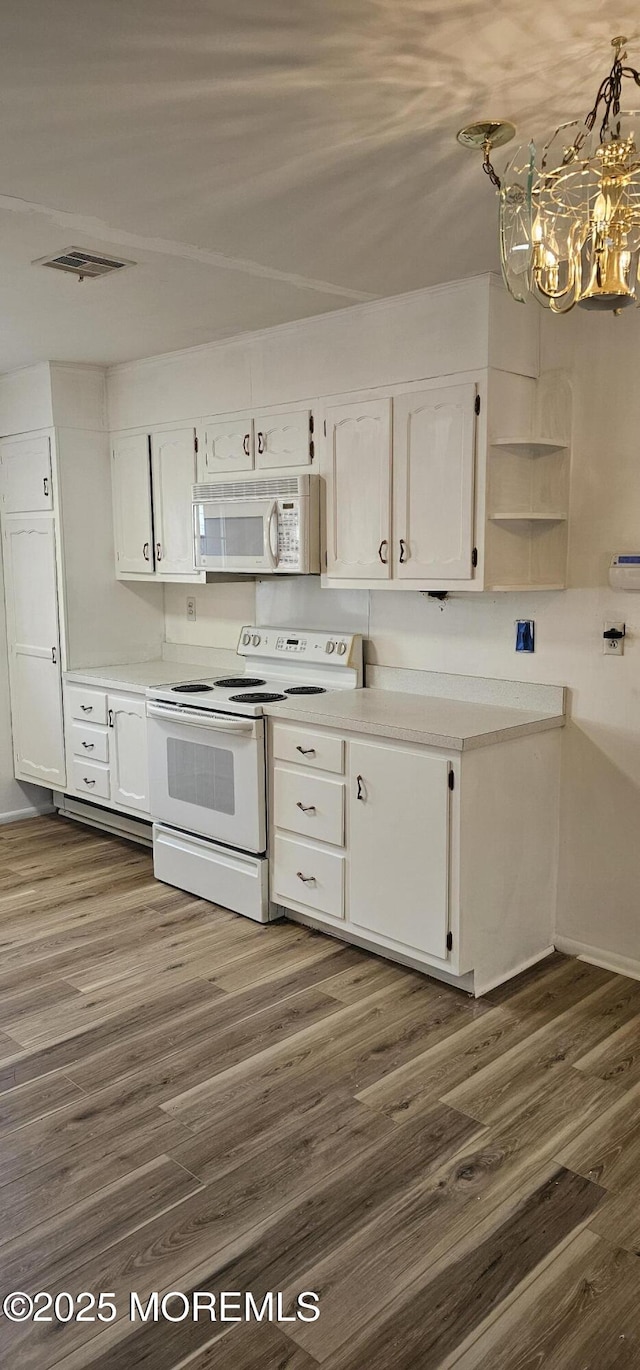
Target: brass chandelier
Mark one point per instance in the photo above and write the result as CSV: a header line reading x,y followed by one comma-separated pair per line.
x,y
570,208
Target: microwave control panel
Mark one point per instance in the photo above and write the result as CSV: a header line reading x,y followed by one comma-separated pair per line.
x,y
288,534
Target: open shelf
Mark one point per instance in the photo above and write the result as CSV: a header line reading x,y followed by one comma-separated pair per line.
x,y
532,447
528,517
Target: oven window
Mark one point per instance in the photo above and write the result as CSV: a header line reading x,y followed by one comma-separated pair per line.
x,y
229,538
202,775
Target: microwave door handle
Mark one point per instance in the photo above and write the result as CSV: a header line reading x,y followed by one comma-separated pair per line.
x,y
272,522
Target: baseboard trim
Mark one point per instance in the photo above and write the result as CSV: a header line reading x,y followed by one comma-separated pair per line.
x,y
484,986
33,811
596,956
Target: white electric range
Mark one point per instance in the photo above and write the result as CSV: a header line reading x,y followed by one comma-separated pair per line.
x,y
207,761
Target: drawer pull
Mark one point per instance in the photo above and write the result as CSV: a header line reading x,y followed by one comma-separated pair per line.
x,y
306,879
86,780
89,746
306,751
360,793
306,808
87,708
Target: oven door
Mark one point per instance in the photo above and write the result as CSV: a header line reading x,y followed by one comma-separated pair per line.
x,y
207,774
236,535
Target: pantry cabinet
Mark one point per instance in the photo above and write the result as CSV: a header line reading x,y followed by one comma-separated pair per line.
x,y
33,637
152,476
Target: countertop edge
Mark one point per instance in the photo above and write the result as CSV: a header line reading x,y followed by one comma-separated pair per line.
x,y
417,736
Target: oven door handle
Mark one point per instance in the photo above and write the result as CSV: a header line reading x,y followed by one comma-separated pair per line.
x,y
201,719
271,524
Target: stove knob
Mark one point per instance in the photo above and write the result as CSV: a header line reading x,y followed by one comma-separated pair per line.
x,y
246,638
330,647
342,647
256,639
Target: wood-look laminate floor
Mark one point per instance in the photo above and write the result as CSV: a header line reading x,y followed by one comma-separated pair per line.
x,y
189,1101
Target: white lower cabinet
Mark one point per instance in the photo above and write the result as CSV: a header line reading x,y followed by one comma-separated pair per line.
x,y
106,736
445,861
399,844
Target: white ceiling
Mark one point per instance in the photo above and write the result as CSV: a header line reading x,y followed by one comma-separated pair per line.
x,y
261,160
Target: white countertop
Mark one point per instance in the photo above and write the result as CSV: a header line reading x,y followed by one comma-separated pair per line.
x,y
455,724
136,676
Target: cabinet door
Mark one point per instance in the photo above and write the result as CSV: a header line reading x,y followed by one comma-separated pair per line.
x,y
227,445
174,473
358,489
399,840
25,475
128,752
283,439
433,465
133,528
34,648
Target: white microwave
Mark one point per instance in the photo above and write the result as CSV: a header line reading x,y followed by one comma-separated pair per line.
x,y
258,526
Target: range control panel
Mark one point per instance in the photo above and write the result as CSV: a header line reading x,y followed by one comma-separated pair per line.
x,y
311,647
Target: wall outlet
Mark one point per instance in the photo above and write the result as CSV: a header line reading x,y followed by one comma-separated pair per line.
x,y
613,646
191,608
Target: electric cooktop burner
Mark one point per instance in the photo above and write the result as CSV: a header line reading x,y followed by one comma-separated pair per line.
x,y
255,699
306,690
239,682
191,688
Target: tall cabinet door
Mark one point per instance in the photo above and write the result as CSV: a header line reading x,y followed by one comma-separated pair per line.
x,y
358,489
25,475
128,752
174,473
227,445
132,519
33,638
433,464
405,898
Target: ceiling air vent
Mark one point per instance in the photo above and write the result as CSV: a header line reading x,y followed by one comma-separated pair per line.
x,y
84,265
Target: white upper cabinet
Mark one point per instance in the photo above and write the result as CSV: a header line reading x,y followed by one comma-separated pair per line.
x,y
226,444
404,896
131,485
34,648
128,752
174,472
25,474
358,489
433,483
283,438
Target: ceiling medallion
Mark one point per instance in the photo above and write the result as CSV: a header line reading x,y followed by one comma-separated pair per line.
x,y
570,208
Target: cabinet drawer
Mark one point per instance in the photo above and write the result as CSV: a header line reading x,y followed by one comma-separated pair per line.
x,y
322,751
88,705
309,804
307,875
90,778
89,742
